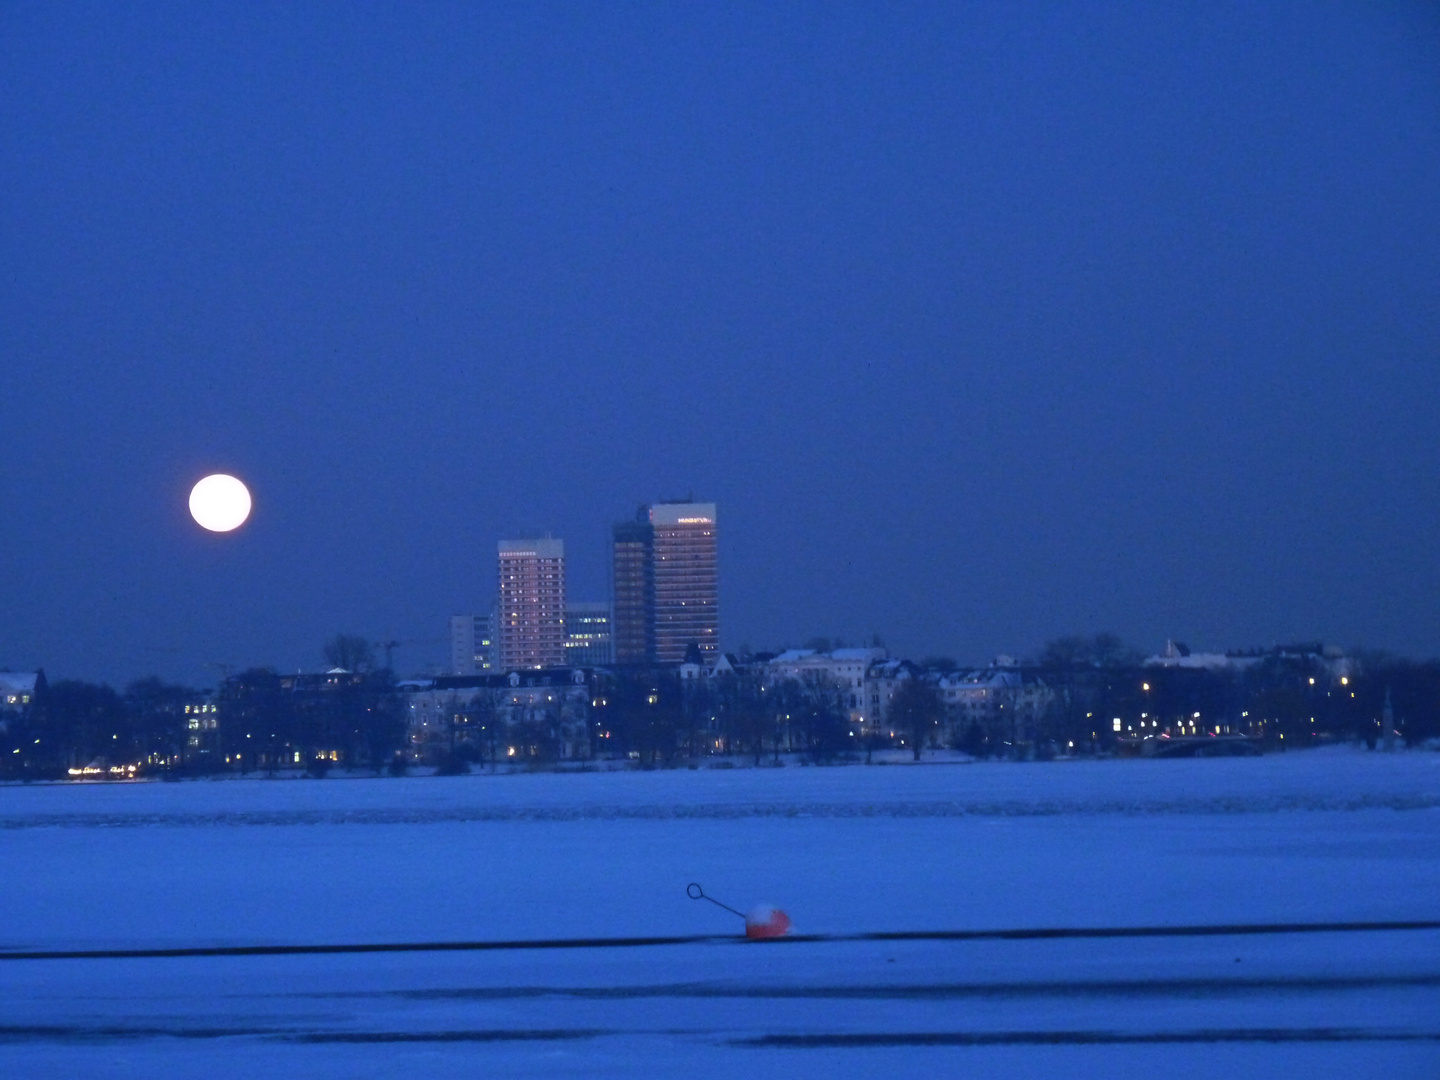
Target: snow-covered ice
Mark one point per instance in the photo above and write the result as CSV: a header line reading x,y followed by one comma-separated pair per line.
x,y
1331,835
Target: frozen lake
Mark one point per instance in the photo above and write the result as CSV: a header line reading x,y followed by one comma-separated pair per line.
x,y
1327,836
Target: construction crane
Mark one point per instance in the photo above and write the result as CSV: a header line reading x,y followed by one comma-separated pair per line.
x,y
391,645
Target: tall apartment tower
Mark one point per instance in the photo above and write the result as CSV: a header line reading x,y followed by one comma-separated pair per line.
x,y
666,585
531,626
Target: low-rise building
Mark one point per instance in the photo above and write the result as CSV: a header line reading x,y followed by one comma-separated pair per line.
x,y
846,669
202,735
1312,655
18,691
882,681
1006,700
520,716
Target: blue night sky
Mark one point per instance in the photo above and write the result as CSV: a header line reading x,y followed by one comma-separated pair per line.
x,y
982,324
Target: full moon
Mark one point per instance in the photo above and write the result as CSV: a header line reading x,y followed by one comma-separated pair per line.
x,y
220,503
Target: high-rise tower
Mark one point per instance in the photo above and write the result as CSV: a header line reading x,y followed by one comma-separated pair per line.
x,y
633,627
666,585
687,600
531,627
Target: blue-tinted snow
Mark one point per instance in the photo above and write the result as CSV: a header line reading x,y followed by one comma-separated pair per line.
x,y
1326,836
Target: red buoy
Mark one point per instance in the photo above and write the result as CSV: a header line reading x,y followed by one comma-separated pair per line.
x,y
766,922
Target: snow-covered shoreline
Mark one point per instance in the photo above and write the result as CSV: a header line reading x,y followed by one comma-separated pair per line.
x,y
1339,778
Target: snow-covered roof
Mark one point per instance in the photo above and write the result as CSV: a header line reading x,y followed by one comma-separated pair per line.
x,y
994,677
865,655
891,669
841,656
1202,661
790,656
991,676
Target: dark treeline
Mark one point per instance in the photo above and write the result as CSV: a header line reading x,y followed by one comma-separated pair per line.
x,y
1078,697
265,721
254,722
661,718
70,723
1054,706
1280,698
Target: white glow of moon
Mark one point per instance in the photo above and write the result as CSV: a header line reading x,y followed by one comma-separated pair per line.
x,y
220,503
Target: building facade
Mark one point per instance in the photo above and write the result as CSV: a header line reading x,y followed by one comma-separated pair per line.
x,y
531,591
687,595
1007,702
633,612
472,644
847,669
666,585
588,637
18,690
514,718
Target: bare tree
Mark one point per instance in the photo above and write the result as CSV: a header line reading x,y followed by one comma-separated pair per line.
x,y
351,652
746,710
916,710
1104,650
1064,652
823,717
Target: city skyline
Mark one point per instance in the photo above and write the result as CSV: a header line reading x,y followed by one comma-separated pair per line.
x,y
664,586
983,324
